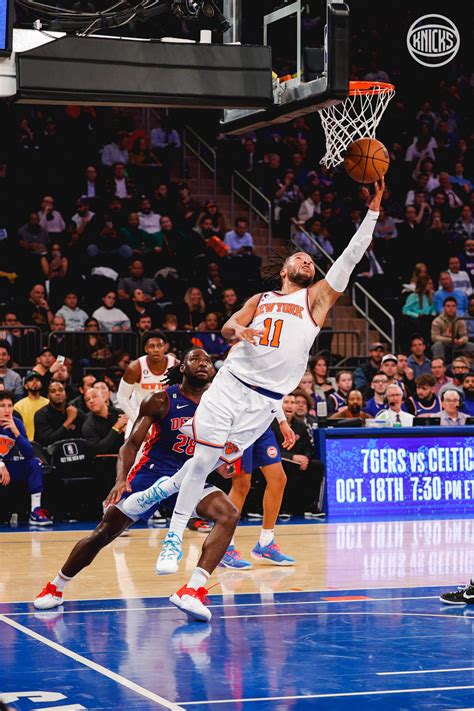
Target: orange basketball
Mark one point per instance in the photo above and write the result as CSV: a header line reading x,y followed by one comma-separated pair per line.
x,y
366,160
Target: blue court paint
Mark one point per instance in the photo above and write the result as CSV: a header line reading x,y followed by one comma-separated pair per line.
x,y
297,651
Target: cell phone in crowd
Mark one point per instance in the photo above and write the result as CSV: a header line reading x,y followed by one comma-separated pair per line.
x,y
321,409
60,359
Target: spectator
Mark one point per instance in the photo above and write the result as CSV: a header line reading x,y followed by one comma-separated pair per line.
x,y
54,265
36,311
116,151
50,219
103,427
354,408
207,338
425,402
165,140
86,382
149,221
73,316
57,339
460,279
385,227
468,394
459,369
10,380
379,386
109,317
364,374
470,318
62,375
307,385
458,178
161,202
14,439
109,243
103,388
32,237
239,240
450,415
95,348
449,332
464,226
28,406
452,200
22,341
405,375
229,303
138,280
212,212
139,306
186,208
143,325
57,420
389,366
419,269
466,258
344,384
393,415
141,156
120,185
44,363
83,217
89,188
419,308
138,240
303,406
310,207
417,360
323,384
438,371
193,310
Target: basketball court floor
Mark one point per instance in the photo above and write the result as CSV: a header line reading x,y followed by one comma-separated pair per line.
x,y
356,624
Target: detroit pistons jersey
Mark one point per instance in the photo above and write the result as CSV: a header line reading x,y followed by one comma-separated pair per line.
x,y
280,358
167,449
149,382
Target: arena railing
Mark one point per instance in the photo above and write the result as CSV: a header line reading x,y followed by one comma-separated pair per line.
x,y
259,207
205,154
25,342
73,344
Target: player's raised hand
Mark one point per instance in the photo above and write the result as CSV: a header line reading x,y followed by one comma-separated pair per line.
x,y
244,333
376,199
289,437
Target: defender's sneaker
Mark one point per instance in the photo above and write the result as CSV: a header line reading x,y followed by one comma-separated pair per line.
x,y
233,559
48,598
271,555
461,596
193,603
171,554
141,501
39,517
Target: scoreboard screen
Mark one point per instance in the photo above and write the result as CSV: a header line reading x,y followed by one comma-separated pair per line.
x,y
6,24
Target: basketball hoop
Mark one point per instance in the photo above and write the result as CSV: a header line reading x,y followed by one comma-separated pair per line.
x,y
356,117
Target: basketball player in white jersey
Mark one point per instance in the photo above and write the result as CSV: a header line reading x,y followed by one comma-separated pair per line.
x,y
275,331
144,376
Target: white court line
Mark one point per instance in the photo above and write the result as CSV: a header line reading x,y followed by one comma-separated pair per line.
x,y
93,665
425,671
303,614
330,696
240,604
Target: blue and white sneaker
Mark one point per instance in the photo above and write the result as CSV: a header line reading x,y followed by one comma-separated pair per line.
x,y
136,504
271,555
39,517
171,554
233,559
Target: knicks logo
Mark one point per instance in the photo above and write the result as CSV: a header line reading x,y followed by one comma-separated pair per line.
x,y
230,448
6,443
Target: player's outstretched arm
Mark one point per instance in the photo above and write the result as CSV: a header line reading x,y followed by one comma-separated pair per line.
x,y
152,409
326,292
236,328
126,388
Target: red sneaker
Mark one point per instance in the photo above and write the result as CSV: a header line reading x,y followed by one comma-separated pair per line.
x,y
193,602
48,598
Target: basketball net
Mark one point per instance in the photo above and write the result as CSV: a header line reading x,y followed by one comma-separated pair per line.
x,y
356,117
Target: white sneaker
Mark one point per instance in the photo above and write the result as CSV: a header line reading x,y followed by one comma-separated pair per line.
x,y
48,598
193,603
170,555
141,501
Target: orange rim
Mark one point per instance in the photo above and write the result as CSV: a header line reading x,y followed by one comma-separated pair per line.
x,y
369,87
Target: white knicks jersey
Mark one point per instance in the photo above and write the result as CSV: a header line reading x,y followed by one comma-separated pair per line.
x,y
149,382
280,359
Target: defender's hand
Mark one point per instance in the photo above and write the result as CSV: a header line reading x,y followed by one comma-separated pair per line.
x,y
116,492
289,437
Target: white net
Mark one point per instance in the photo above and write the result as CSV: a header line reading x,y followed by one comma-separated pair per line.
x,y
356,117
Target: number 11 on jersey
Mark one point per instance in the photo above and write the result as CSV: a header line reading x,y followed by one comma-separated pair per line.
x,y
275,338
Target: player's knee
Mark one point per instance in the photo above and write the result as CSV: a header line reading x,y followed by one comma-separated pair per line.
x,y
102,536
277,480
229,515
241,484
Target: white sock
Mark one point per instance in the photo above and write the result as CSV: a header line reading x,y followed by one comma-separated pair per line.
x,y
232,543
199,578
266,536
35,501
60,581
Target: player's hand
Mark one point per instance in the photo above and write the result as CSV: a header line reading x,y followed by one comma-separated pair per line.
x,y
116,492
289,437
4,476
8,422
226,471
244,333
376,199
302,461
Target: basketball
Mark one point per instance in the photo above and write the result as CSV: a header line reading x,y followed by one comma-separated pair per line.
x,y
366,160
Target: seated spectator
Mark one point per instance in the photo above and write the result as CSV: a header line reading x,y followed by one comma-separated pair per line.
x,y
102,387
206,231
139,306
137,239
379,384
95,349
21,340
468,393
165,141
50,219
417,359
307,385
120,185
109,243
55,268
73,316
143,324
470,318
186,208
450,415
32,237
458,178
44,364
85,220
138,280
57,420
303,406
425,402
320,235
323,384
116,151
466,258
211,211
57,340
389,366
405,375
344,384
363,374
385,227
10,380
14,440
207,338
36,311
161,202
287,200
229,303
28,406
354,408
239,240
86,382
419,307
310,207
62,375
464,226
141,155
149,221
193,309
89,188
452,200
438,371
103,427
109,317
420,187
393,415
460,279
419,269
449,333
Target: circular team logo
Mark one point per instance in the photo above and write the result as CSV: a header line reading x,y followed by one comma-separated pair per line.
x,y
433,40
146,372
272,452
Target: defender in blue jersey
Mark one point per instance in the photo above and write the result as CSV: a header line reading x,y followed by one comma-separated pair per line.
x,y
165,452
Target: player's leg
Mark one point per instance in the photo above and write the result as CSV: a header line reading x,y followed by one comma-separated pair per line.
x,y
112,525
217,507
30,471
266,550
461,596
241,481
